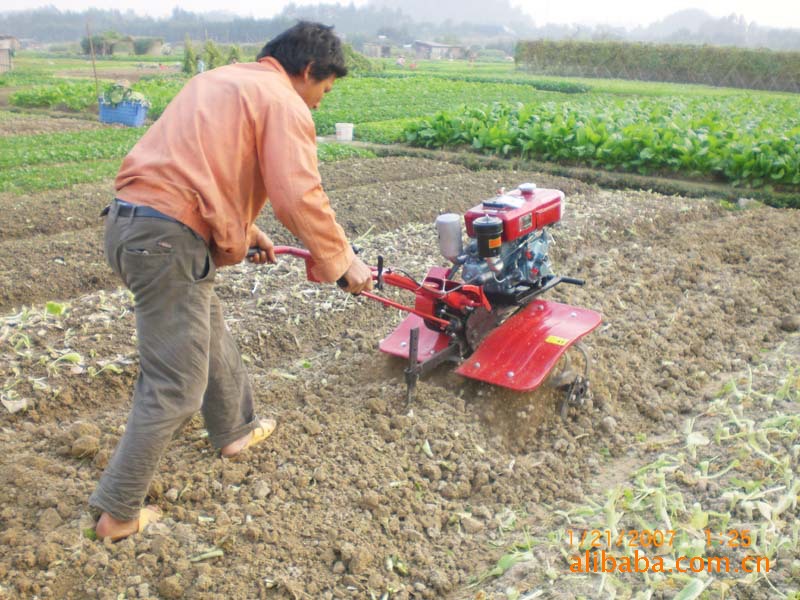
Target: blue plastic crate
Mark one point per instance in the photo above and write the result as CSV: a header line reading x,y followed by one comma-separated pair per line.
x,y
131,114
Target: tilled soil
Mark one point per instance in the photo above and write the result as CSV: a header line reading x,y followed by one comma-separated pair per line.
x,y
67,222
357,494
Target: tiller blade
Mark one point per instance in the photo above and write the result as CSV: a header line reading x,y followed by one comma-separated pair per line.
x,y
521,352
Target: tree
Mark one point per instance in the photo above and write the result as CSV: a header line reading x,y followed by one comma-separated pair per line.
x,y
212,55
234,55
145,45
189,57
103,44
355,61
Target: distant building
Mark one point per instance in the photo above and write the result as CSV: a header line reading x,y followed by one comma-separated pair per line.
x,y
377,50
8,45
436,51
9,42
5,60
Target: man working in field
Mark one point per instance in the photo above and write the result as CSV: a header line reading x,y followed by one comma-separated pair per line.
x,y
188,195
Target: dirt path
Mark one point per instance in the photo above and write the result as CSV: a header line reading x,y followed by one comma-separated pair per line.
x,y
358,494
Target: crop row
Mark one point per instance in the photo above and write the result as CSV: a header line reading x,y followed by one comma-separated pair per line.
x,y
745,141
381,105
367,99
564,86
354,100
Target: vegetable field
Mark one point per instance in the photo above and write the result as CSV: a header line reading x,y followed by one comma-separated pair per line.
x,y
744,141
686,451
741,138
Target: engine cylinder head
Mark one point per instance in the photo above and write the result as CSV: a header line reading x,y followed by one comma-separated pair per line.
x,y
489,235
448,227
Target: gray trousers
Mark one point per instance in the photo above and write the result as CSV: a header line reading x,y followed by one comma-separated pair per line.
x,y
188,359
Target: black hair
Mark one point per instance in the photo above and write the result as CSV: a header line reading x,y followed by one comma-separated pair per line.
x,y
306,43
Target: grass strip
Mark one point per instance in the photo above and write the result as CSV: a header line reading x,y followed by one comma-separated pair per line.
x,y
332,152
39,178
25,179
20,151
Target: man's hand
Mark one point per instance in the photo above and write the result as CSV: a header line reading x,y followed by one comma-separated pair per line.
x,y
358,276
266,247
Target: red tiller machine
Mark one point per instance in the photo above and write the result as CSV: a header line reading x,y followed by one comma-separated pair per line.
x,y
484,312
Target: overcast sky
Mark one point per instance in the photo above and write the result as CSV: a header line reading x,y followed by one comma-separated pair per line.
x,y
776,13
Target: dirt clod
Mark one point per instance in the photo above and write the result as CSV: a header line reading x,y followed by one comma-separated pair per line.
x,y
471,525
790,323
83,429
171,588
609,425
50,520
46,554
85,446
101,459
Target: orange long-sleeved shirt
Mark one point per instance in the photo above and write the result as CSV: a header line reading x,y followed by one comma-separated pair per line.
x,y
231,139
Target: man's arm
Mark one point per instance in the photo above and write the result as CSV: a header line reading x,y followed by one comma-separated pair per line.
x,y
288,159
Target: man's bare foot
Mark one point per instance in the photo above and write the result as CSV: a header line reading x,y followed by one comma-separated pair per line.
x,y
262,432
109,527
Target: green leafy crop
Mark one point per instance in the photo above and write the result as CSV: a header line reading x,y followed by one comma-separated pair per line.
x,y
741,140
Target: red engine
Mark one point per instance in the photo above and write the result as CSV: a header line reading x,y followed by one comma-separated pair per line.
x,y
522,211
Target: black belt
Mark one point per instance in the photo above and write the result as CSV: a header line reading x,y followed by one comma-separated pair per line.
x,y
126,209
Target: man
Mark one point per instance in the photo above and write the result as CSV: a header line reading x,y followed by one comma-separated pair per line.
x,y
188,195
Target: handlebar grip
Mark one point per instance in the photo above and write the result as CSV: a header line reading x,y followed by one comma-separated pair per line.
x,y
253,250
573,280
341,282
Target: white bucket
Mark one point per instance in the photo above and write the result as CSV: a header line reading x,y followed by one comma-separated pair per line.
x,y
344,132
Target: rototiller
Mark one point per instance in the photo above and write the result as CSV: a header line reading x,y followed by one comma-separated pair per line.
x,y
490,321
